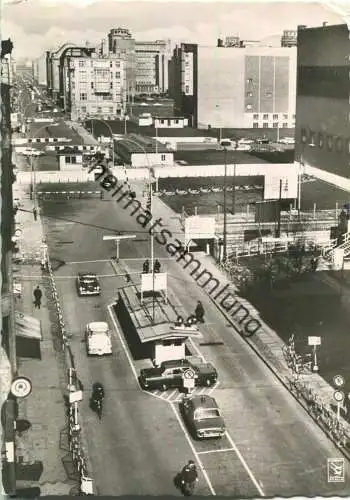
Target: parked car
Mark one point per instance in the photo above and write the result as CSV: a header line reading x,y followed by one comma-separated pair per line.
x,y
287,140
87,284
202,417
29,152
169,375
98,339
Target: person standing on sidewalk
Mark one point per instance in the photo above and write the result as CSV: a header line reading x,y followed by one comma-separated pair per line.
x,y
35,213
37,297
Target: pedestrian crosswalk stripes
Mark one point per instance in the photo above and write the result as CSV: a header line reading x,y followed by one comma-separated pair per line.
x,y
175,396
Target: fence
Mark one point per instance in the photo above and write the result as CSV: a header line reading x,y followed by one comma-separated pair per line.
x,y
54,176
75,394
67,195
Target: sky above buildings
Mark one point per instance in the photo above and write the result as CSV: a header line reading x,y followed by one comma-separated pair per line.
x,y
39,25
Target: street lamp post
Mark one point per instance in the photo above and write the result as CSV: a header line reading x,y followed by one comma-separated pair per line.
x,y
225,207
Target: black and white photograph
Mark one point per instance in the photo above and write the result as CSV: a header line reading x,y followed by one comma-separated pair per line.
x,y
175,248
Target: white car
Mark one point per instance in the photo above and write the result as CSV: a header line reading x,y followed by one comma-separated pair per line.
x,y
29,152
287,140
98,339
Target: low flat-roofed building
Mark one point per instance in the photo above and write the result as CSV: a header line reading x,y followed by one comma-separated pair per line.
x,y
215,157
138,151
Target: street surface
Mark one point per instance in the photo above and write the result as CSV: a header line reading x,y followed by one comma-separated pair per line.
x,y
271,448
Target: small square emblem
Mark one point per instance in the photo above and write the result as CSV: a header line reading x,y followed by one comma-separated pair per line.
x,y
335,470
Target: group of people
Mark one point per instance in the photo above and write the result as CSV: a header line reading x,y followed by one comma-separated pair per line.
x,y
146,266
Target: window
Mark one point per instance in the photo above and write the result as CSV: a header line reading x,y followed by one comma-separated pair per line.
x,y
83,96
268,94
285,125
339,144
92,85
275,117
99,109
110,109
249,94
265,125
81,64
111,64
265,116
176,122
303,135
82,75
275,124
187,89
312,138
329,142
249,80
83,109
320,140
162,121
255,116
255,125
162,157
117,74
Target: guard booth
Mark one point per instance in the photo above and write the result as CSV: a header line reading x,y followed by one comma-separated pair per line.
x,y
148,320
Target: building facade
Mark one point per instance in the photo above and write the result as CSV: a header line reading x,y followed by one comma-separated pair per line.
x,y
122,44
95,87
152,60
183,81
323,96
39,70
236,87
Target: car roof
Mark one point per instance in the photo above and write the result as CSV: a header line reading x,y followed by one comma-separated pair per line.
x,y
204,401
98,326
87,275
175,362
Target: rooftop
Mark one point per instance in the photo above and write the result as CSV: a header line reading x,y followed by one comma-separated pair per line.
x,y
215,157
141,315
135,143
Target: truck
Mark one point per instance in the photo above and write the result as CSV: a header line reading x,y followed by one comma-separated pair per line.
x,y
169,375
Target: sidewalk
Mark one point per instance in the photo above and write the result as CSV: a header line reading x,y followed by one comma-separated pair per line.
x,y
44,407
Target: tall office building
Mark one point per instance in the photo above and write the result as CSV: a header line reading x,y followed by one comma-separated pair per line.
x,y
235,86
152,66
323,96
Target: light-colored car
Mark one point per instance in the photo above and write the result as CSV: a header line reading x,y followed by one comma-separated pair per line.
x,y
29,152
203,417
98,339
287,140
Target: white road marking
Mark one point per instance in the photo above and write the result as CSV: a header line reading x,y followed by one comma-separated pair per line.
x,y
245,465
171,395
195,453
87,261
127,352
215,451
200,355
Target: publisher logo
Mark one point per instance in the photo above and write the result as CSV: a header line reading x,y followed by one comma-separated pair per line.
x,y
336,470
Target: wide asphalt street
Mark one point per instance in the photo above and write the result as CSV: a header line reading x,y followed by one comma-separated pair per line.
x,y
271,448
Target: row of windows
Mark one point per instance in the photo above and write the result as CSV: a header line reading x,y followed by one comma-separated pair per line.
x,y
327,141
83,96
99,109
84,64
266,125
105,74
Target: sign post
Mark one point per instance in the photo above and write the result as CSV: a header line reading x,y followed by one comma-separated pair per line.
x,y
339,398
188,378
117,240
314,341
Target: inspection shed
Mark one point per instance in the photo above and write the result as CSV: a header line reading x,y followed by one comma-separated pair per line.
x,y
138,151
158,339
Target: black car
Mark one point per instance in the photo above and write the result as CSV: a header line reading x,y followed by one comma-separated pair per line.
x,y
87,284
170,375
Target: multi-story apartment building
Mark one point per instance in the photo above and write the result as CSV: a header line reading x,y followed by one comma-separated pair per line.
x,y
323,97
152,66
95,86
236,87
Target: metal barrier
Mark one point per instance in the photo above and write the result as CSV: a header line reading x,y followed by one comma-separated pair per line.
x,y
75,394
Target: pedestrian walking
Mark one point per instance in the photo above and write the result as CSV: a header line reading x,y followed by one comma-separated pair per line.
x,y
35,213
37,297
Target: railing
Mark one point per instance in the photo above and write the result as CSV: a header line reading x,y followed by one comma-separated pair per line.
x,y
75,393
